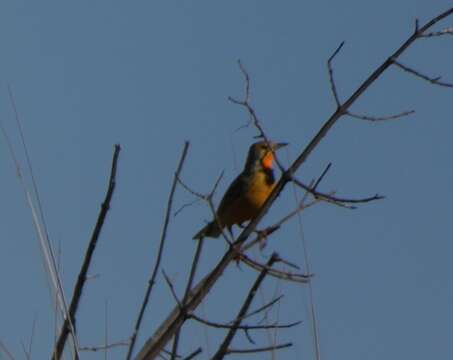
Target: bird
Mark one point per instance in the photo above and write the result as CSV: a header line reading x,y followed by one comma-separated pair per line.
x,y
247,193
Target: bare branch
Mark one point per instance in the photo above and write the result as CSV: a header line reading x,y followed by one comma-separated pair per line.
x,y
78,288
252,114
193,192
381,118
189,204
279,274
242,327
247,81
257,350
193,270
321,177
159,253
244,308
336,200
193,354
264,307
105,347
172,288
333,87
208,198
447,31
418,74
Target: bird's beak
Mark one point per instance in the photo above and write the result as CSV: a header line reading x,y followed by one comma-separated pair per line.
x,y
279,145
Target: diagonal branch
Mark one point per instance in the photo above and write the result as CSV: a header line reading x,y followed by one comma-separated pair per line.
x,y
78,288
418,74
193,354
279,274
336,200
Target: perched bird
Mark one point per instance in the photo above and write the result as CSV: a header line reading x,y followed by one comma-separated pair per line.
x,y
247,193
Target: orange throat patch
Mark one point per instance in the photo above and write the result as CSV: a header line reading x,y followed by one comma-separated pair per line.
x,y
268,160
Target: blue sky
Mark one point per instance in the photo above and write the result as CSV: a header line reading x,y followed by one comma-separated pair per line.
x,y
150,75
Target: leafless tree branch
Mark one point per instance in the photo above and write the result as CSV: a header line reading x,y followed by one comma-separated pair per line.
x,y
447,31
279,274
105,347
336,200
262,308
242,327
257,350
252,113
194,354
381,118
172,289
333,86
418,74
78,288
159,253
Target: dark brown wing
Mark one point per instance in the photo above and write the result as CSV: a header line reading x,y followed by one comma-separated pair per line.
x,y
236,189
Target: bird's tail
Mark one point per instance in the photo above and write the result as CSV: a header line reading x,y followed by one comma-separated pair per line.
x,y
211,230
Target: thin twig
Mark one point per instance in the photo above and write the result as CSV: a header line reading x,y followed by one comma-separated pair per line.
x,y
447,31
105,346
247,81
381,118
333,87
172,288
189,204
257,350
208,198
262,308
159,253
193,354
252,113
242,327
78,288
279,274
321,177
418,74
336,200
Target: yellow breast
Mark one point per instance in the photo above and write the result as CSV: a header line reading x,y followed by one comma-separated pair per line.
x,y
259,190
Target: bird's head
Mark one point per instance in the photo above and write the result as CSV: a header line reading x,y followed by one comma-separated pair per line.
x,y
261,154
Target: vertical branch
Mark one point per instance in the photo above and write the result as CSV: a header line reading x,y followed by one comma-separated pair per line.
x,y
152,280
196,259
78,288
222,351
